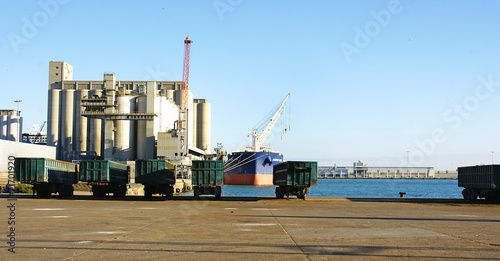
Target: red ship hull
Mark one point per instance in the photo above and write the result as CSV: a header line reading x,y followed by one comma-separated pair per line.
x,y
249,179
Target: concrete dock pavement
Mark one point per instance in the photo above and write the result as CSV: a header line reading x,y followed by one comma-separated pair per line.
x,y
264,228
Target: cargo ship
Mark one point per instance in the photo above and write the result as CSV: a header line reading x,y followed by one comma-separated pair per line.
x,y
251,168
254,165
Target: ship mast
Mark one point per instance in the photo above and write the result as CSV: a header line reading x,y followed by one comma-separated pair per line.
x,y
259,138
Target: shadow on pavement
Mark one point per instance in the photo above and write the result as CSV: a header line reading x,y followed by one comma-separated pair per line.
x,y
254,199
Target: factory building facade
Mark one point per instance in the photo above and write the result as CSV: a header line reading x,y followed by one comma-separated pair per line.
x,y
127,125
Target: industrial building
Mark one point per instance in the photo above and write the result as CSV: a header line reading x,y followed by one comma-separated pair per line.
x,y
11,125
360,170
122,120
12,149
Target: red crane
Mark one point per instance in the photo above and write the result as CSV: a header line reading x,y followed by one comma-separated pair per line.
x,y
185,79
183,148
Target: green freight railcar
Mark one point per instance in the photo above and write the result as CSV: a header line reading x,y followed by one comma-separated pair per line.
x,y
157,176
480,181
207,177
295,178
47,175
105,177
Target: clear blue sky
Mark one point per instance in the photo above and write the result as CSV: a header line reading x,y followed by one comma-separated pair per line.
x,y
371,80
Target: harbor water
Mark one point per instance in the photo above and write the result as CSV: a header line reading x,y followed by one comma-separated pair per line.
x,y
414,188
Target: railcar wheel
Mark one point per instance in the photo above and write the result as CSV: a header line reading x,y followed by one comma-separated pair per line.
x,y
300,194
470,194
279,193
473,194
196,193
120,191
492,197
147,192
170,192
98,192
43,193
218,192
66,191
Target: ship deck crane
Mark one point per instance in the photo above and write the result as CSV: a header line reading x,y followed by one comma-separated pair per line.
x,y
259,138
38,130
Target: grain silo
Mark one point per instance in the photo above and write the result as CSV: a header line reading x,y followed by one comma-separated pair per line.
x,y
80,113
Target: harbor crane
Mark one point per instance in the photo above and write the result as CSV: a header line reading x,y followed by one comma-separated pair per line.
x,y
183,147
185,77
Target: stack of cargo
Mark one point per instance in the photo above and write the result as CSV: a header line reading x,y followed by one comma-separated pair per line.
x,y
157,176
47,175
295,178
105,177
207,176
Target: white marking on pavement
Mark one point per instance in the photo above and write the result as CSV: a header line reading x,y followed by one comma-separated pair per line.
x,y
397,232
246,229
48,209
459,215
258,224
327,199
110,232
84,242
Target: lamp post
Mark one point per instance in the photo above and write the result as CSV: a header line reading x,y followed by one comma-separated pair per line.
x,y
19,131
492,153
408,162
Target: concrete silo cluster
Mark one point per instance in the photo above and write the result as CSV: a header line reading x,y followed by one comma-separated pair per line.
x,y
120,120
11,124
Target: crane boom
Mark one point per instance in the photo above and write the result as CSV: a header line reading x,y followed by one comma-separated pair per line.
x,y
185,75
43,125
183,147
38,130
259,138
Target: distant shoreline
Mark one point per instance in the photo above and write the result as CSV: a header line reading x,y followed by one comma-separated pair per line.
x,y
382,178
